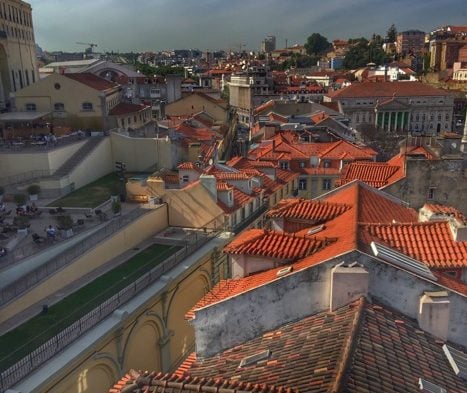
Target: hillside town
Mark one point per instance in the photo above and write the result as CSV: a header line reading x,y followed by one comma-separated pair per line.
x,y
289,218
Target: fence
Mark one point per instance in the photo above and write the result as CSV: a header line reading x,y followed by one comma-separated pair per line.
x,y
63,259
46,351
24,177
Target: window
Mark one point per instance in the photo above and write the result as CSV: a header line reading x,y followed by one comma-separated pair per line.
x,y
59,106
326,163
284,165
326,184
185,178
87,107
439,117
447,116
302,184
302,164
431,193
30,107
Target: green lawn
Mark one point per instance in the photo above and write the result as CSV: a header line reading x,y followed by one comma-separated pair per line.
x,y
91,195
19,342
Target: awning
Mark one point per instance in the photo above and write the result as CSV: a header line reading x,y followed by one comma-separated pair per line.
x,y
21,116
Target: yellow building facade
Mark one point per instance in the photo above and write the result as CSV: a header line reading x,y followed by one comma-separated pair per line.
x,y
17,49
80,101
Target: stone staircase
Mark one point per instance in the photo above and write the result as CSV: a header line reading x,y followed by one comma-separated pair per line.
x,y
77,157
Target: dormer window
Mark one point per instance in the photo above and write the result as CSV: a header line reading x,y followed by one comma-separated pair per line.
x,y
185,179
326,163
302,164
284,165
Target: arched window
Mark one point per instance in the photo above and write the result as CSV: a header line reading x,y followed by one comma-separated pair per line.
x,y
87,107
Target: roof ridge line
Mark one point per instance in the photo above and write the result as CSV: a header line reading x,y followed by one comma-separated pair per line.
x,y
349,348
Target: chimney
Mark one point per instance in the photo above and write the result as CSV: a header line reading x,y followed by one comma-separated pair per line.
x,y
209,183
458,230
433,313
349,282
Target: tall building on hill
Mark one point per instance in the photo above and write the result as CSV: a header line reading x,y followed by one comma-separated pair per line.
x,y
268,44
410,41
17,48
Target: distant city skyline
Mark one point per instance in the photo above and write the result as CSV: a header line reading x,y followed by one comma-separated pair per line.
x,y
146,25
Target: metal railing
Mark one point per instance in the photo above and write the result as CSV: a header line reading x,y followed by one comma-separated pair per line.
x,y
251,219
19,253
24,177
63,259
46,351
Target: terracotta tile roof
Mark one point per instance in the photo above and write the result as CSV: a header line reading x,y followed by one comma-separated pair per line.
x,y
189,166
361,347
223,186
392,353
366,205
124,108
375,174
268,105
451,282
240,199
170,178
304,355
345,149
275,244
283,176
197,134
145,382
429,242
387,89
316,211
232,176
92,81
445,211
370,205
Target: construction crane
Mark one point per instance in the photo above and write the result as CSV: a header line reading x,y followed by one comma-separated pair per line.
x,y
90,45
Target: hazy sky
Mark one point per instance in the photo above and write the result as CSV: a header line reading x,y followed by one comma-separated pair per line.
x,y
138,25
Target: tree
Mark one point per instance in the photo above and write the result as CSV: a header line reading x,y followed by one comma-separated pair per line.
x,y
316,44
363,52
392,33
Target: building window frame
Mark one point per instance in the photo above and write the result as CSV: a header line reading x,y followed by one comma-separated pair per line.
x,y
30,107
87,107
326,184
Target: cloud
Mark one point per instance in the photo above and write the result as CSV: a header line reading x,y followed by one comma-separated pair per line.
x,y
221,24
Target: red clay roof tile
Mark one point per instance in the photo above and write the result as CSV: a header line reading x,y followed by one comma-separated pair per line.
x,y
92,81
278,245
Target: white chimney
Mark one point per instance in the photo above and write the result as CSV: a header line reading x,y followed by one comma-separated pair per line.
x,y
209,182
349,282
433,313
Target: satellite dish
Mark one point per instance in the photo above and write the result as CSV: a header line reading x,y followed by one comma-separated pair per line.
x,y
210,161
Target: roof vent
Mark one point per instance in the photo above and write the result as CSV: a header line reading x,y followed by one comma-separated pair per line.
x,y
253,359
457,360
284,271
314,230
429,387
401,260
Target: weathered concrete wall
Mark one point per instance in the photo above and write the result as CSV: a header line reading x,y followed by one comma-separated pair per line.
x,y
445,176
236,320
